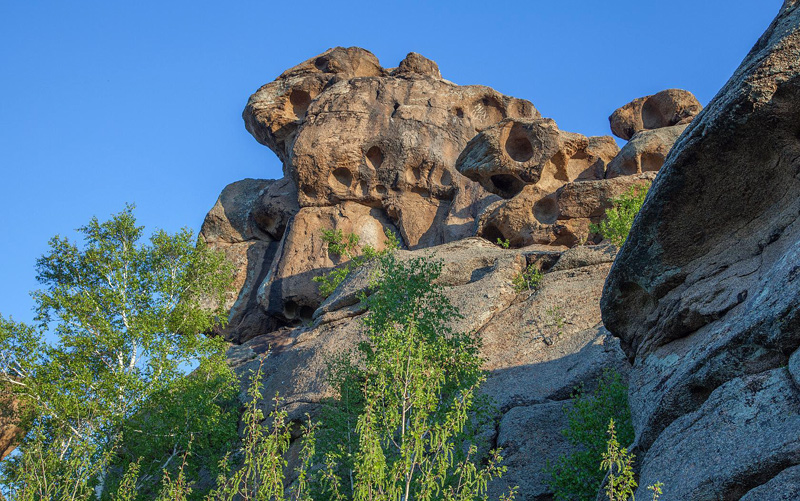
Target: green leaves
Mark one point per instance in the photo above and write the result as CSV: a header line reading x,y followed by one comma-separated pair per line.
x,y
401,426
128,316
619,218
346,246
576,476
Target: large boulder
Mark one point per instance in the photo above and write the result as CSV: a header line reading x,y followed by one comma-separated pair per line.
x,y
364,150
352,131
705,294
645,152
246,224
663,109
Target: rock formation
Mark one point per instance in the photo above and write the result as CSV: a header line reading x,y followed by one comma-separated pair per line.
x,y
367,150
663,109
705,294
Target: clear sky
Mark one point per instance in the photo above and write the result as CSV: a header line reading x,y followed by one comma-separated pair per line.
x,y
107,102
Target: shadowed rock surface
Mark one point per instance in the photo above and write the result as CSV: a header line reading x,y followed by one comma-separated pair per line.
x,y
705,294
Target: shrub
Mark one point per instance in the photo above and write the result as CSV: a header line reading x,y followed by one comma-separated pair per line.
x,y
528,280
346,246
619,218
576,476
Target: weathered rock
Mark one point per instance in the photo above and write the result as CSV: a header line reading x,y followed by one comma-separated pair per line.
x,y
559,218
663,109
289,292
538,346
705,294
383,140
243,224
417,65
527,162
526,456
785,486
514,153
743,435
645,152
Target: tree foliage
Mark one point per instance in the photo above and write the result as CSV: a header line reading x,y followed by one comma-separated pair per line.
x,y
127,317
402,425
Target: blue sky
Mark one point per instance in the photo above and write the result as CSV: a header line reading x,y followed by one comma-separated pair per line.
x,y
105,103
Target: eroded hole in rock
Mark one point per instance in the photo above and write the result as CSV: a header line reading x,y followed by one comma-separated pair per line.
x,y
396,107
459,112
309,191
300,101
305,313
341,177
507,184
651,115
374,157
546,210
290,310
381,189
651,162
578,167
446,179
363,187
413,175
518,146
492,233
321,63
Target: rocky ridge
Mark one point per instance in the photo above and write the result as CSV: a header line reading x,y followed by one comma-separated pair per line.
x,y
449,170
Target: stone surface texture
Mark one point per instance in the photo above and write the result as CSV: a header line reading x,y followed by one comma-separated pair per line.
x,y
663,109
705,294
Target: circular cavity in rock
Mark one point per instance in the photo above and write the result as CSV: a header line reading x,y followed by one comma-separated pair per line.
x,y
321,63
507,184
341,177
546,210
300,101
374,157
492,233
459,112
518,146
446,178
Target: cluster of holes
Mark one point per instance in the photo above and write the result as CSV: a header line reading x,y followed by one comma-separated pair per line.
x,y
297,313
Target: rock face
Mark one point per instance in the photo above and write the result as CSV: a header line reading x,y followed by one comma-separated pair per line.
x,y
537,347
368,150
663,109
705,294
365,150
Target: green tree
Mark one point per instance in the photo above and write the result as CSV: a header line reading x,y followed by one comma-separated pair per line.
x,y
401,428
127,317
619,218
